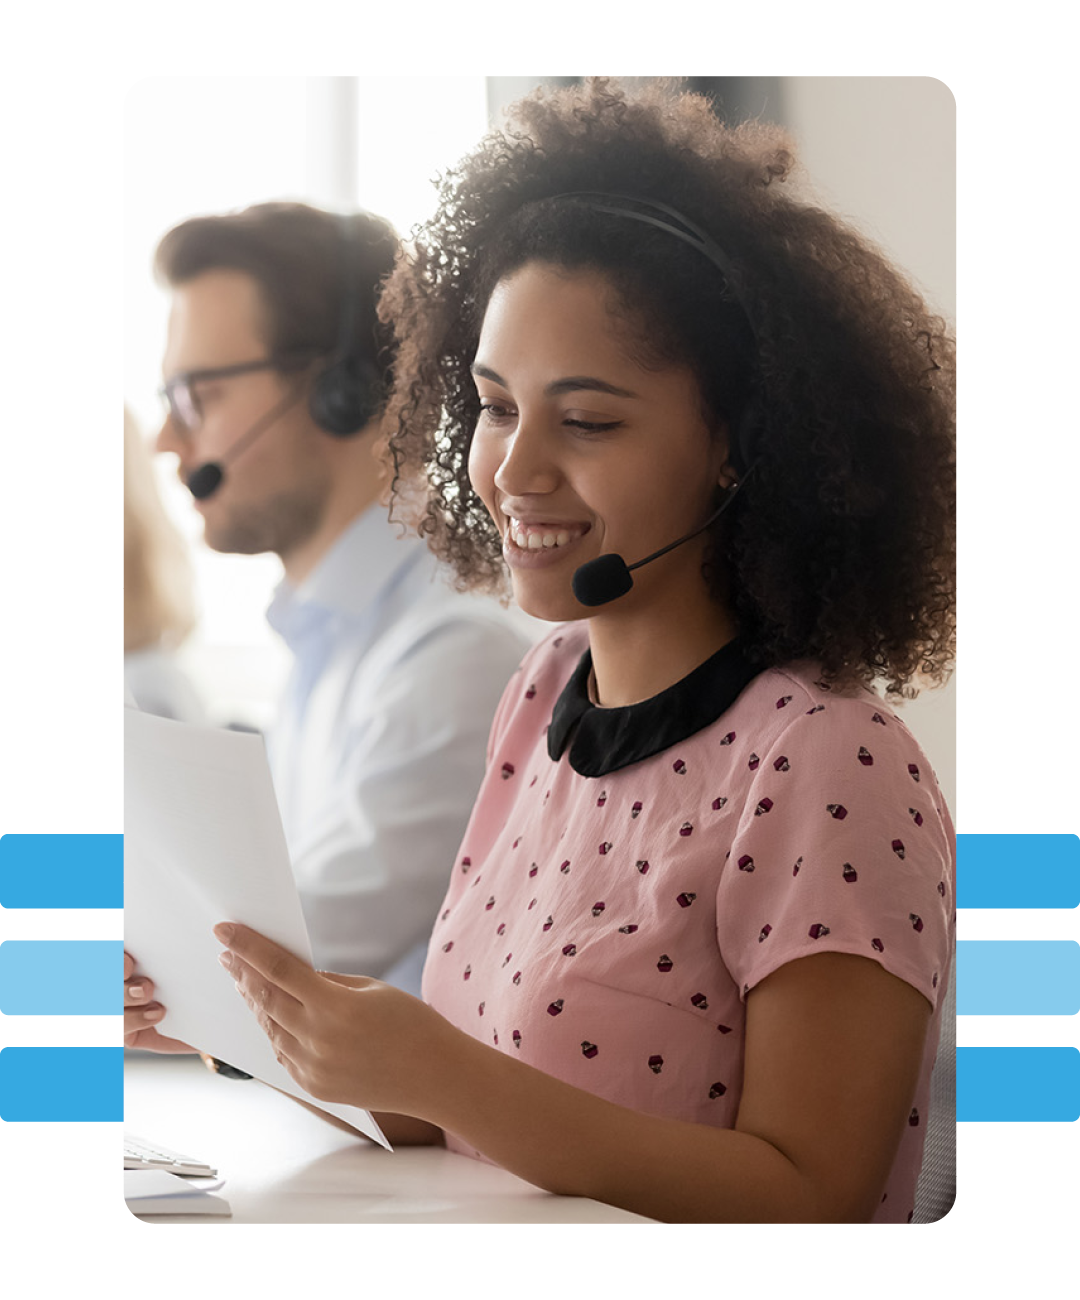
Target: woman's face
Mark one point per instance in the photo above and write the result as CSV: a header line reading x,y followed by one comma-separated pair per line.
x,y
579,451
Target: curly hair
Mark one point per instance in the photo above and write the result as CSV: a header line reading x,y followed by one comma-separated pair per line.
x,y
841,544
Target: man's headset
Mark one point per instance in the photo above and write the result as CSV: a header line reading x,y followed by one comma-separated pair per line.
x,y
348,393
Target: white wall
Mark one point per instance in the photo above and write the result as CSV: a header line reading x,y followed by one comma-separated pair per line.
x,y
972,183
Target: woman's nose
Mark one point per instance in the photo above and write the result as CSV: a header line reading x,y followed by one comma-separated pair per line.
x,y
528,465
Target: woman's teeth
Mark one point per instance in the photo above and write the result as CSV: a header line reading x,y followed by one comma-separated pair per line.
x,y
536,540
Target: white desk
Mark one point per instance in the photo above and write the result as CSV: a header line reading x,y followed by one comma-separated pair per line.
x,y
283,1164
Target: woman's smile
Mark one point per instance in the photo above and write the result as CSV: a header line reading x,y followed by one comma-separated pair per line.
x,y
536,544
578,450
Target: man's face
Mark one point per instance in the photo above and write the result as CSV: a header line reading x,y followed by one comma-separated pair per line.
x,y
274,493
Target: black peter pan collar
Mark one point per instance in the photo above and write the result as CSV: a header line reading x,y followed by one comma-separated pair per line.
x,y
609,739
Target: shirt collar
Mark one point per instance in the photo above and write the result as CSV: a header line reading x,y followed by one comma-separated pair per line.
x,y
608,739
366,561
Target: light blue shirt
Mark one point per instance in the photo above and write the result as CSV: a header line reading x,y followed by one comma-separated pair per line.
x,y
380,742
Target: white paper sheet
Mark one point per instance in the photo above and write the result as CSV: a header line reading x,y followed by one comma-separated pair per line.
x,y
203,844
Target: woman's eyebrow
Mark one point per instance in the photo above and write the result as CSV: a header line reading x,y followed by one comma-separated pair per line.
x,y
572,384
577,382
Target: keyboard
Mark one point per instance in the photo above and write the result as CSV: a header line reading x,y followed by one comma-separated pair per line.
x,y
140,1154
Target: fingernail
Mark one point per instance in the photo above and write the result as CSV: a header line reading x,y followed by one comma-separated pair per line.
x,y
155,1014
226,960
137,991
225,932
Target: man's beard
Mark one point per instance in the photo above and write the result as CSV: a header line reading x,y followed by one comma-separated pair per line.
x,y
278,525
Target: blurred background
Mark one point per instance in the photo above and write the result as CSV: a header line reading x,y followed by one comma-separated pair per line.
x,y
878,150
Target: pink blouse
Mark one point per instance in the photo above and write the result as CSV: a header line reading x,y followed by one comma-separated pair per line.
x,y
606,929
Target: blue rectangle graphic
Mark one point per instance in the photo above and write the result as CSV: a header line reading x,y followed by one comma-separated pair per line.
x,y
1018,977
61,992
1017,871
75,1084
1018,1090
63,875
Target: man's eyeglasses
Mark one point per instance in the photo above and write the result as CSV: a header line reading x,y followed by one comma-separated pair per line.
x,y
181,395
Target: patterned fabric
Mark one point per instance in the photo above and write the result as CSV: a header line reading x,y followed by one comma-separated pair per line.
x,y
607,930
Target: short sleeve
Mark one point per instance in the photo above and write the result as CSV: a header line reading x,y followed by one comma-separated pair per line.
x,y
844,845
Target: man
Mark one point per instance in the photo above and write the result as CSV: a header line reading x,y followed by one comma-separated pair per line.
x,y
274,373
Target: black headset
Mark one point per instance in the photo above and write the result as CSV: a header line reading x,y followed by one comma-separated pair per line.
x,y
606,578
748,423
348,394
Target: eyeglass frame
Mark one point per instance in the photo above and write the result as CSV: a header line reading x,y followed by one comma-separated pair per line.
x,y
184,379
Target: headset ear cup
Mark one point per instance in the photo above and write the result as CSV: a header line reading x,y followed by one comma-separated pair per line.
x,y
346,397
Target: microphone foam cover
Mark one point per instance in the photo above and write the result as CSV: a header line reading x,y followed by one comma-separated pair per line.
x,y
600,580
205,480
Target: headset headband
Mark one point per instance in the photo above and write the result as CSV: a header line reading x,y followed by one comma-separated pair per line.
x,y
746,431
630,205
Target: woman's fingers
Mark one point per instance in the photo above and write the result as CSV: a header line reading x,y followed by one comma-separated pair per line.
x,y
140,1009
264,998
137,1019
150,1040
277,964
269,1005
142,1014
138,991
349,981
140,1029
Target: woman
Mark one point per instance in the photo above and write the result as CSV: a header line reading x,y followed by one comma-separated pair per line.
x,y
159,604
695,943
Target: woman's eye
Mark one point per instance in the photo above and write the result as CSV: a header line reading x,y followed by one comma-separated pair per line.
x,y
495,411
592,426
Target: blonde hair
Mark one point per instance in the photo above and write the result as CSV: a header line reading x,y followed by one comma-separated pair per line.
x,y
159,604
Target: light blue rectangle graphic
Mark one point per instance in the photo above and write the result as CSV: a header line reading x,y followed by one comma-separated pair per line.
x,y
1018,977
61,871
71,1084
1018,1084
61,977
1017,871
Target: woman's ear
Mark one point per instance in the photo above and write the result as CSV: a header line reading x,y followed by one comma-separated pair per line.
x,y
726,475
728,478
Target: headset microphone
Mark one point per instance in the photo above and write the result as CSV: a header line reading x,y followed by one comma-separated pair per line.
x,y
204,481
608,576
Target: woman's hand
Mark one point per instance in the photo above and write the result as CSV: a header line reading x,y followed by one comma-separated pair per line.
x,y
343,1038
142,1014
833,1049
